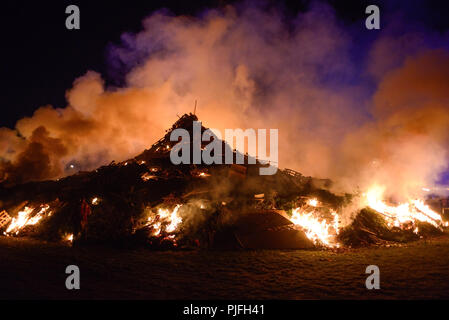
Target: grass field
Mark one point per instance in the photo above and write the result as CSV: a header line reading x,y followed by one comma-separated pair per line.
x,y
31,269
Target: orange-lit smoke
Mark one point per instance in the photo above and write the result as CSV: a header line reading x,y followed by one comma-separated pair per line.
x,y
405,146
249,68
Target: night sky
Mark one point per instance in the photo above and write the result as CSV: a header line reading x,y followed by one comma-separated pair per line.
x,y
41,58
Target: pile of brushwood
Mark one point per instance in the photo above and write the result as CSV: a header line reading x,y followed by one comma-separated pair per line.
x,y
124,199
118,198
112,204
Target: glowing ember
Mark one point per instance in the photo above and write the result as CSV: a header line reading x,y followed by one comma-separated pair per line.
x,y
203,175
23,219
312,202
318,230
146,176
69,237
95,201
404,213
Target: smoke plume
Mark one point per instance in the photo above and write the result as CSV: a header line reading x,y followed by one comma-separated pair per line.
x,y
370,117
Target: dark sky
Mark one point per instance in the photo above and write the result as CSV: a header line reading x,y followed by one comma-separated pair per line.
x,y
41,58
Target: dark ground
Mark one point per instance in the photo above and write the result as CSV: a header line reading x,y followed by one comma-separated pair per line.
x,y
31,269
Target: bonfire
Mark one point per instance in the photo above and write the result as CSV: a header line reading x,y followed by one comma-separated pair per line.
x,y
149,201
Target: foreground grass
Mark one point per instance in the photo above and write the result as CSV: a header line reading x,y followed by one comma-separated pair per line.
x,y
31,269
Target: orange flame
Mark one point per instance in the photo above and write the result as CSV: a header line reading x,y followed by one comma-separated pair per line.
x,y
312,202
404,213
165,220
69,237
320,231
23,219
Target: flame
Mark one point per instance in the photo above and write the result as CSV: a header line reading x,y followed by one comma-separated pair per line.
x,y
95,201
312,202
404,213
203,174
318,230
69,237
165,220
146,176
23,219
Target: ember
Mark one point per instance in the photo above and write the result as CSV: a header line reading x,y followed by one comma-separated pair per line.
x,y
147,176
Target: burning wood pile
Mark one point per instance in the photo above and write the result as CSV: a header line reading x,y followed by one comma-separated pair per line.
x,y
148,200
